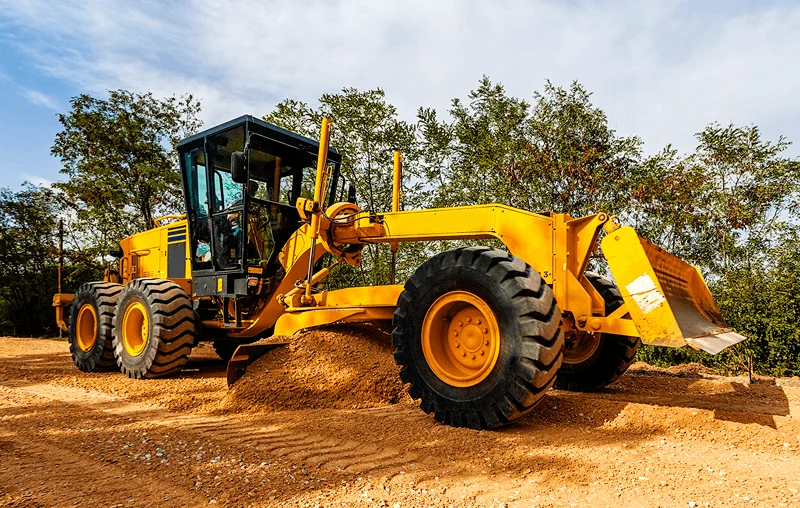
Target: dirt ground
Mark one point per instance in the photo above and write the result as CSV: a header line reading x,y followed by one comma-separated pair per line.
x,y
655,438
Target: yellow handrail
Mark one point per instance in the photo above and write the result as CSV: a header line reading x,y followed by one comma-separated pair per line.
x,y
158,220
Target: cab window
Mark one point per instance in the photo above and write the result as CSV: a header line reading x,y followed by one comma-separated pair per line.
x,y
227,200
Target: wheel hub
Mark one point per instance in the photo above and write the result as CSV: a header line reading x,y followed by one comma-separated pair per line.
x,y
579,346
460,339
86,327
135,329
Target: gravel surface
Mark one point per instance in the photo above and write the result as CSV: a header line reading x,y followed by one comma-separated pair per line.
x,y
655,438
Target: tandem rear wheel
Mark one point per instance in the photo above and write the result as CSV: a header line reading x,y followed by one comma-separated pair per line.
x,y
477,336
91,330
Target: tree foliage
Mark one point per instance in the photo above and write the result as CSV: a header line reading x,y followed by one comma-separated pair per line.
x,y
731,208
119,156
29,258
557,153
724,205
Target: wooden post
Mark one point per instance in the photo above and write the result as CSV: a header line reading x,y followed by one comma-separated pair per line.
x,y
60,259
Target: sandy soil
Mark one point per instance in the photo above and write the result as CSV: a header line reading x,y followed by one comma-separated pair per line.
x,y
655,438
335,367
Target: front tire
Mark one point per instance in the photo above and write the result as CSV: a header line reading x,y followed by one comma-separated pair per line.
x,y
477,336
91,329
592,362
154,328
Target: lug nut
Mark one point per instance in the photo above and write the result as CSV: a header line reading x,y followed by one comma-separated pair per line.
x,y
478,321
483,352
486,343
458,345
473,357
455,333
469,319
463,354
485,330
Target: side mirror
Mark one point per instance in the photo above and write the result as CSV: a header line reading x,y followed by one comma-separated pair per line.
x,y
116,253
239,167
351,194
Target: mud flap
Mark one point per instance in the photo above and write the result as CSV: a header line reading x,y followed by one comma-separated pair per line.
x,y
246,354
667,299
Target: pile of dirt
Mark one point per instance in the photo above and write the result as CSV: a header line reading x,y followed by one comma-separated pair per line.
x,y
338,367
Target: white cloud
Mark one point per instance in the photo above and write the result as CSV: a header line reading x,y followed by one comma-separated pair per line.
x,y
660,69
39,99
37,180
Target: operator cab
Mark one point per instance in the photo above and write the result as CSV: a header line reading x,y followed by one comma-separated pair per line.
x,y
238,223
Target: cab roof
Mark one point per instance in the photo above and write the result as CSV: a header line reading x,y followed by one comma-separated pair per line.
x,y
263,128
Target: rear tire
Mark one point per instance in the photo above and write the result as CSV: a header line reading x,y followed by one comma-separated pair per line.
x,y
154,328
91,328
612,356
508,323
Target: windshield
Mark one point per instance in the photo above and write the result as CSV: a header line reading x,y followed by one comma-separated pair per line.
x,y
227,193
275,184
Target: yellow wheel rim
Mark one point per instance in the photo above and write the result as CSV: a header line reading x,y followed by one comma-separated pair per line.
x,y
135,328
86,327
460,339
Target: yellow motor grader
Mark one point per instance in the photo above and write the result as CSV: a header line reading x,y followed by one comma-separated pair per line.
x,y
480,334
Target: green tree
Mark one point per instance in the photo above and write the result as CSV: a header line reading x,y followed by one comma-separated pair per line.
x,y
748,187
762,304
731,208
726,204
119,154
557,154
28,233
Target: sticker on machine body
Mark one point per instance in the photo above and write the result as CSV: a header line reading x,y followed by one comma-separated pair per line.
x,y
645,293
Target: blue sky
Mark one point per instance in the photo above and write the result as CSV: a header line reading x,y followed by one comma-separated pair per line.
x,y
661,70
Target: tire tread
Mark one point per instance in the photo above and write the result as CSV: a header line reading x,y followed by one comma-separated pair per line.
x,y
173,329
